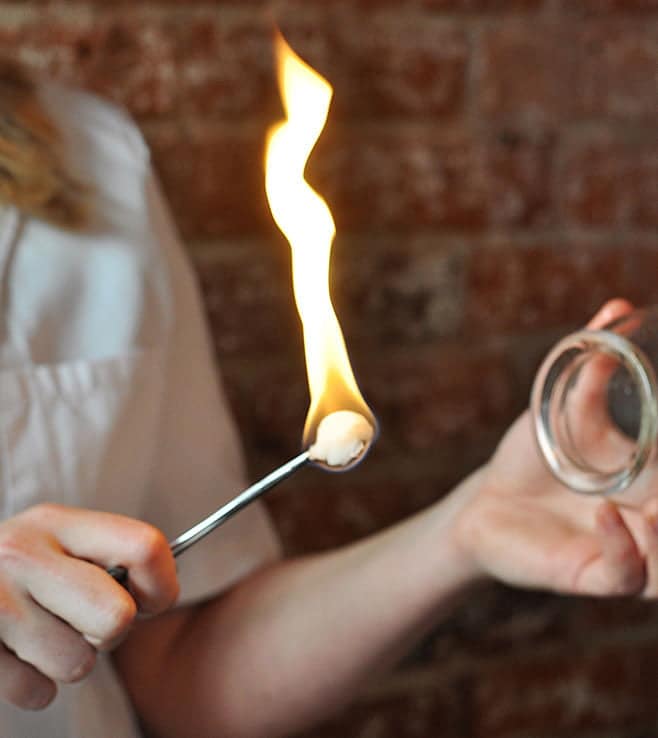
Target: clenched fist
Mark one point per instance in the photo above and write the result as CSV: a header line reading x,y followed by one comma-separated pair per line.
x,y
58,605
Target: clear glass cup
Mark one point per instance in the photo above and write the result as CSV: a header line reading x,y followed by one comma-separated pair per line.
x,y
594,404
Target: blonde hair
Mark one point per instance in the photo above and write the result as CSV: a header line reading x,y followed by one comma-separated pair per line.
x,y
33,175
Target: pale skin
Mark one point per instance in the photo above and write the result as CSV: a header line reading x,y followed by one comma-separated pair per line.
x,y
294,641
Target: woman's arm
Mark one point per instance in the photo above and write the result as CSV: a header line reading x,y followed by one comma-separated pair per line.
x,y
294,642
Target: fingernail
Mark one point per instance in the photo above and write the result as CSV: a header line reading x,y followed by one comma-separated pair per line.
x,y
40,697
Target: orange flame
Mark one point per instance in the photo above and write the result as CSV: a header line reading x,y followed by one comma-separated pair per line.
x,y
305,220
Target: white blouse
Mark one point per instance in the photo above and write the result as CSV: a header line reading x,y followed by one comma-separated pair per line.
x,y
108,394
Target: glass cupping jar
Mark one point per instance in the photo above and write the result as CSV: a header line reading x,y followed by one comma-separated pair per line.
x,y
594,404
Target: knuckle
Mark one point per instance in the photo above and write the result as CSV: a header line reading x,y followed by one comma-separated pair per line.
x,y
149,545
15,548
44,511
41,515
119,618
10,611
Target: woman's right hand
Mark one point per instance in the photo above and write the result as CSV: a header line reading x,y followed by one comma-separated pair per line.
x,y
58,605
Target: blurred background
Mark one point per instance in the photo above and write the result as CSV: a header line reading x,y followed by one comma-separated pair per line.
x,y
492,166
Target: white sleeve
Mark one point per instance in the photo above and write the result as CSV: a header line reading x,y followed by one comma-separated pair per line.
x,y
198,464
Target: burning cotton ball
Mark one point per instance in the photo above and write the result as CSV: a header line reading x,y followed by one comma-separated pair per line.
x,y
341,437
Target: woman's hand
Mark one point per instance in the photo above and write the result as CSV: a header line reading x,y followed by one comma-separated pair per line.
x,y
58,606
524,527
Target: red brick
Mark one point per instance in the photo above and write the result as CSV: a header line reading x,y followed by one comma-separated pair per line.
x,y
391,291
191,4
498,623
402,66
406,64
519,168
213,178
445,392
432,711
574,689
153,64
247,293
501,626
641,270
132,68
611,181
404,178
225,68
599,7
269,396
619,71
617,616
527,71
512,289
482,5
546,73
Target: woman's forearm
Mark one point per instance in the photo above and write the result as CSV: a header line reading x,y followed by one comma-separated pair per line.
x,y
294,642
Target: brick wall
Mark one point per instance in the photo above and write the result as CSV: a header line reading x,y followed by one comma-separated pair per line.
x,y
493,169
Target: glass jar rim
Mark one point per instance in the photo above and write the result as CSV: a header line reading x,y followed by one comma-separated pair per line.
x,y
561,465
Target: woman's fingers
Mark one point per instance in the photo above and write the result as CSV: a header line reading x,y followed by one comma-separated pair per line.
x,y
108,540
39,638
58,604
619,568
113,539
22,685
629,563
83,596
612,310
595,436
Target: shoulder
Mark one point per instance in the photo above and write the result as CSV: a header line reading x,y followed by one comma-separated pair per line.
x,y
83,116
122,259
102,147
